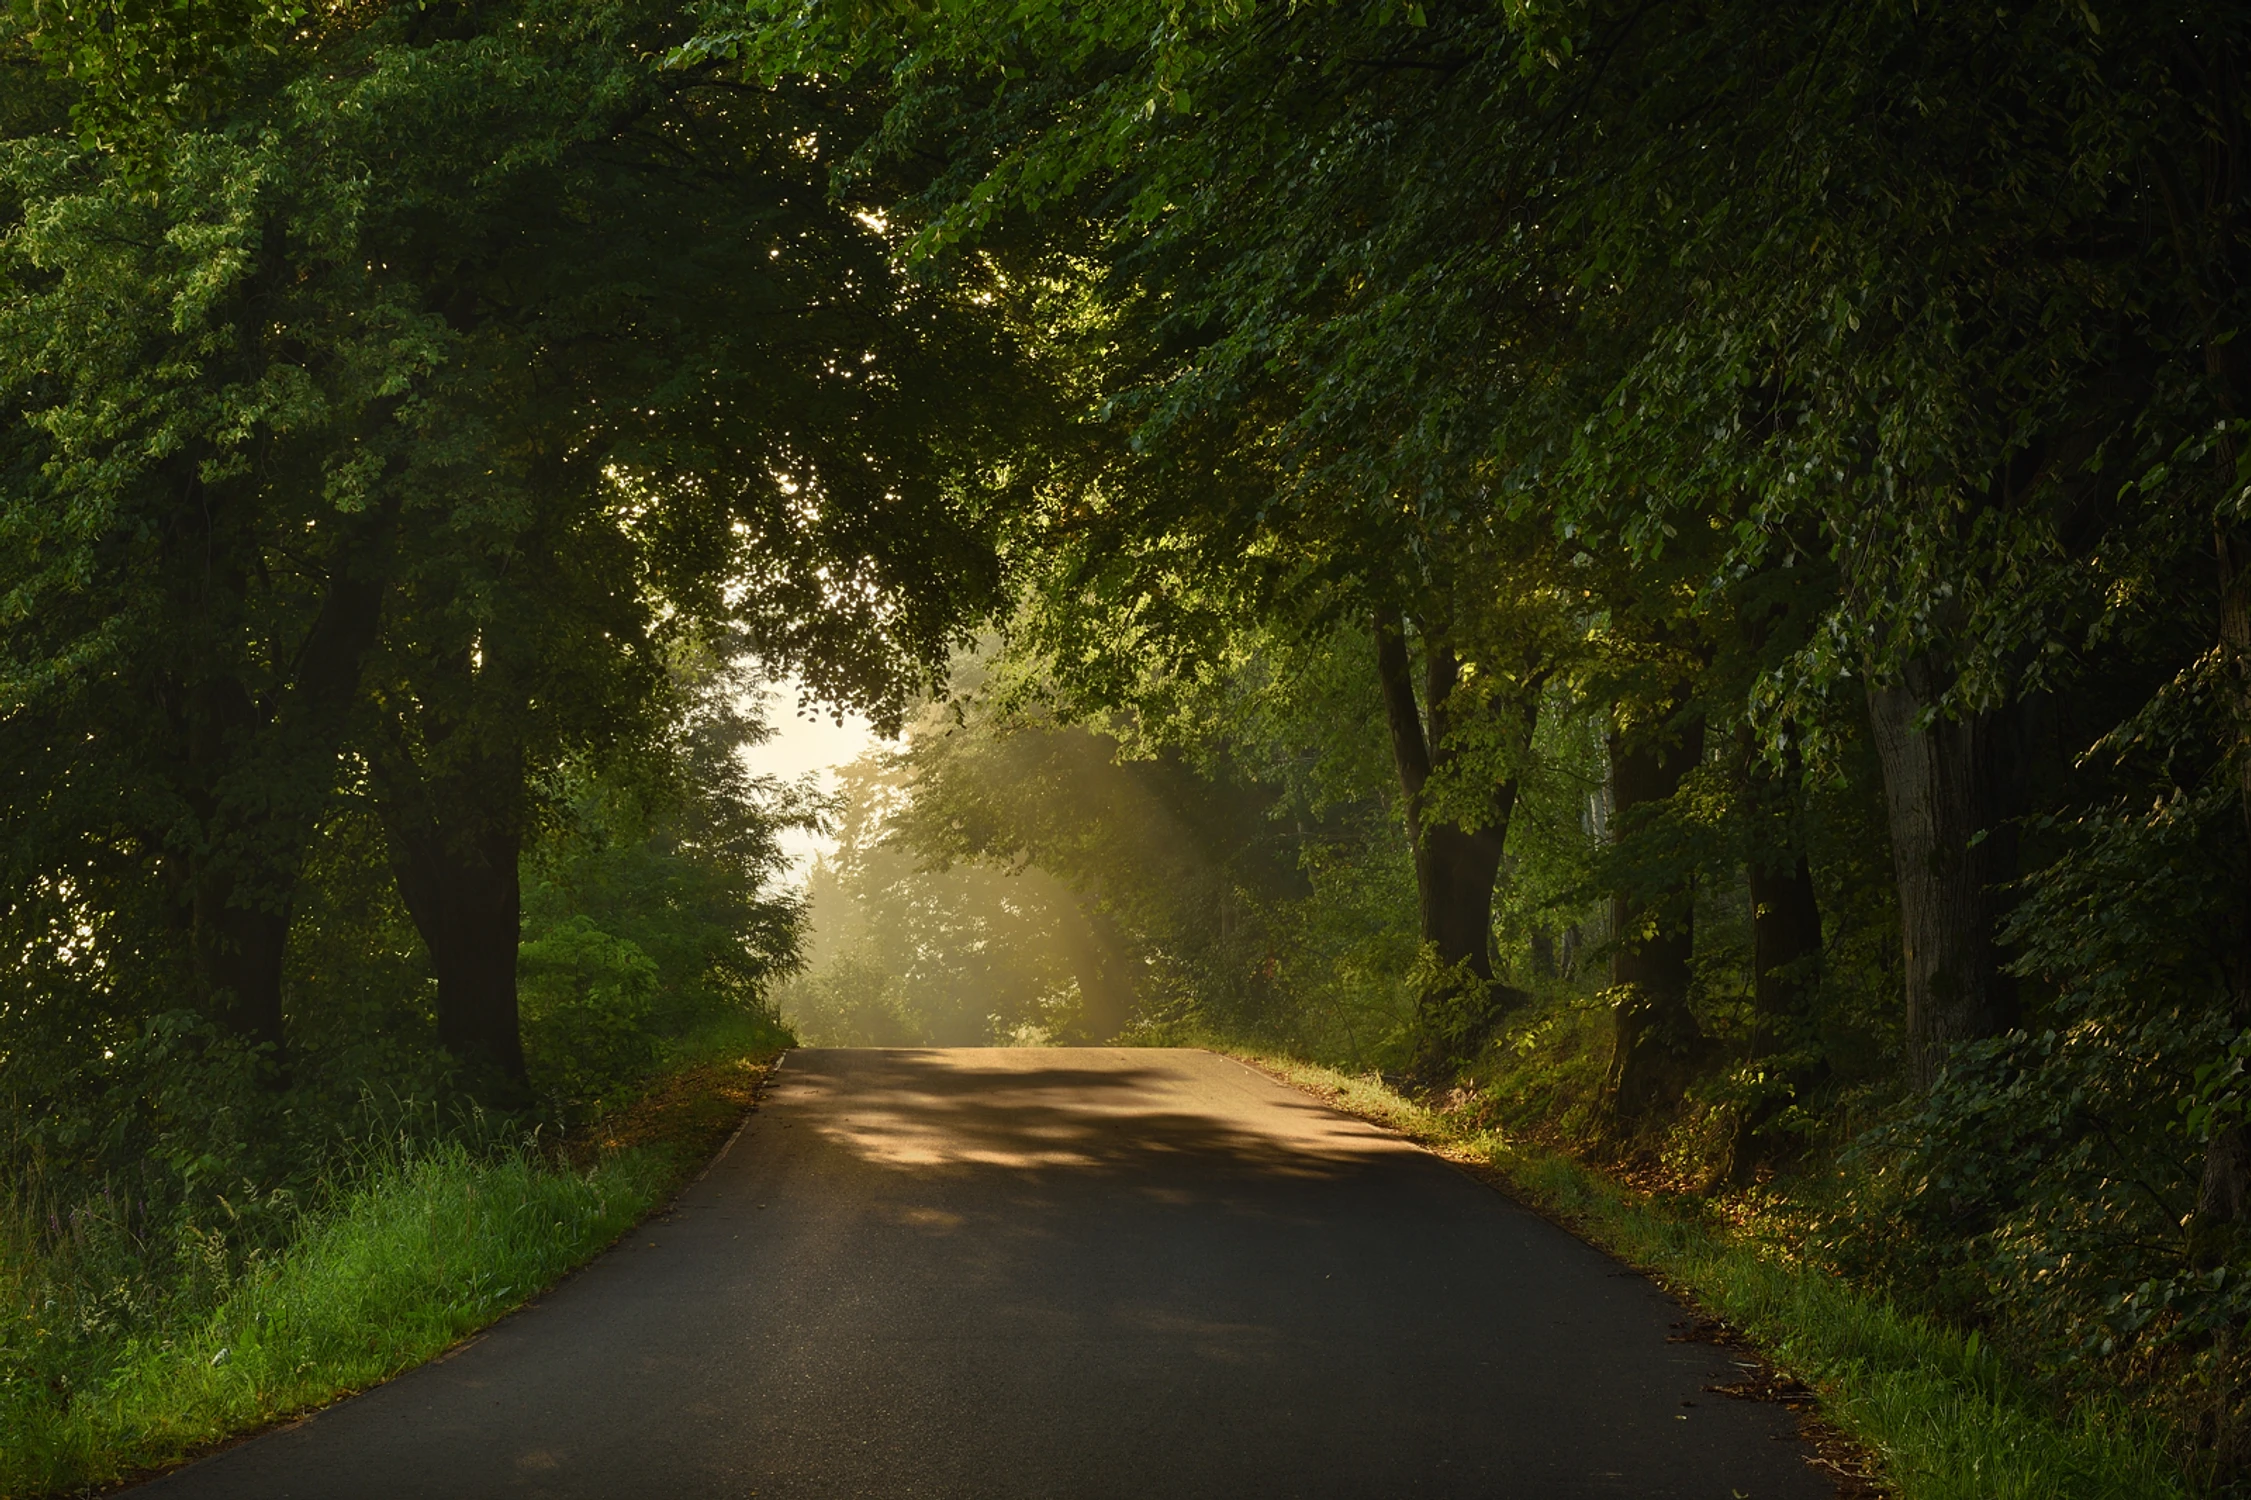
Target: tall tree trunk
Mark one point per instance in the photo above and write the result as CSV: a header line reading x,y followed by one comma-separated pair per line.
x,y
455,831
2208,234
1785,953
259,778
1948,794
1785,949
451,788
2206,211
238,907
2223,1199
1785,972
1656,1044
1457,865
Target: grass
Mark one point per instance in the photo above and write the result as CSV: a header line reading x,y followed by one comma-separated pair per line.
x,y
1942,1417
429,1246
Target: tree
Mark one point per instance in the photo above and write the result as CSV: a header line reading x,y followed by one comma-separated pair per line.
x,y
483,353
199,550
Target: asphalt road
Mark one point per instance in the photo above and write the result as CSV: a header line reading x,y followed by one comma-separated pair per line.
x,y
1059,1273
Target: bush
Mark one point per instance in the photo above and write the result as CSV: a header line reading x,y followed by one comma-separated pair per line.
x,y
587,999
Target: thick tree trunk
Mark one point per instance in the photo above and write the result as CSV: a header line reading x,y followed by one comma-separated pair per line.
x,y
1455,873
456,838
2207,232
1785,949
238,958
238,905
259,779
1456,866
1656,1045
1785,973
2223,1199
1948,792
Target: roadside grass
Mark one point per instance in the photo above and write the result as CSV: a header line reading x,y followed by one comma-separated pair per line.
x,y
425,1246
1943,1417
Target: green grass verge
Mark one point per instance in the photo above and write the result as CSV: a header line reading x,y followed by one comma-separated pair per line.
x,y
425,1252
426,1249
1943,1418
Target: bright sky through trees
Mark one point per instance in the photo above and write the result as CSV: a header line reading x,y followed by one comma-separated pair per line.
x,y
806,742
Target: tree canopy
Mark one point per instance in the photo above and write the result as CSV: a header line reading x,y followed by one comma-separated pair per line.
x,y
1801,449
1684,566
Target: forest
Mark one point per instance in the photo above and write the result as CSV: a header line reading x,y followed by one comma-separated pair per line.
x,y
1671,582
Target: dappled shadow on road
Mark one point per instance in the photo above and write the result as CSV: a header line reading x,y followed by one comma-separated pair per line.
x,y
1172,1209
1152,1115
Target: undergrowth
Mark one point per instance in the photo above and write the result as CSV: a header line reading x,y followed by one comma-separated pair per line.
x,y
117,1357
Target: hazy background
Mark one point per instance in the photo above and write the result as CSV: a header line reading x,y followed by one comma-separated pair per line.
x,y
810,741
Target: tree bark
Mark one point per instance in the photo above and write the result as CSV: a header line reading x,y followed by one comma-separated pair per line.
x,y
456,837
1948,794
1785,949
1785,973
2223,1199
238,906
259,778
2205,213
1457,864
1656,1044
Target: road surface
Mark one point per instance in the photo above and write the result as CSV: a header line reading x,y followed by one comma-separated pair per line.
x,y
1059,1273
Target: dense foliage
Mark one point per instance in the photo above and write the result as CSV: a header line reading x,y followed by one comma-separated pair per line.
x,y
1773,481
1680,571
423,429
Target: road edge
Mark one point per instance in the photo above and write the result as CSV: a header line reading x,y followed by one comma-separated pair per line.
x,y
1848,1461
693,1167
